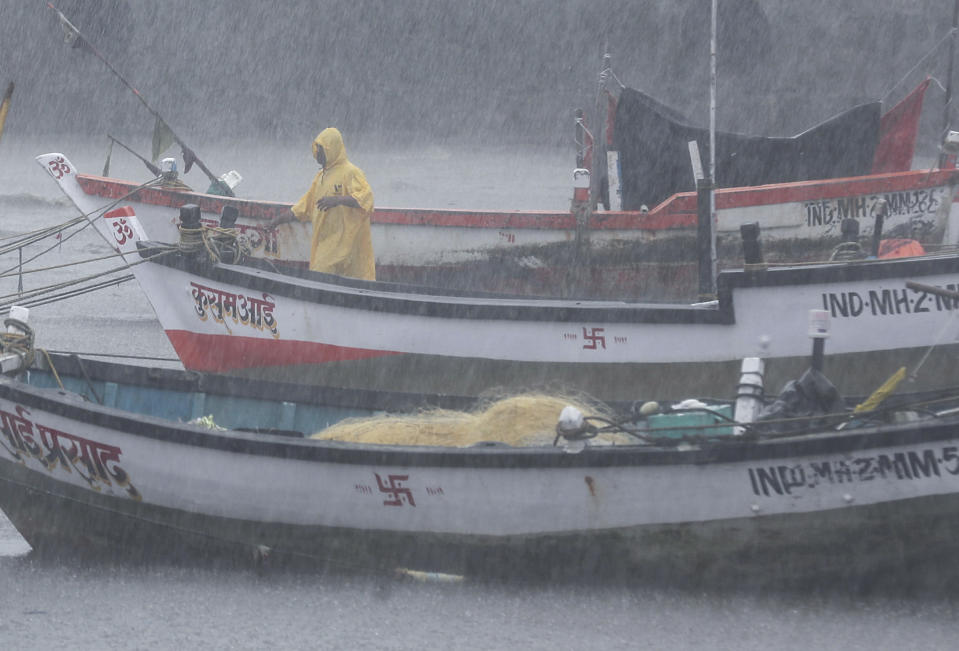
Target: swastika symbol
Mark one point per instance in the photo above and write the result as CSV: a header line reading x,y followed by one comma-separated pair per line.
x,y
394,488
594,338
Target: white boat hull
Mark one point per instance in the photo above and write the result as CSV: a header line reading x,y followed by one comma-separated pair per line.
x,y
75,475
342,332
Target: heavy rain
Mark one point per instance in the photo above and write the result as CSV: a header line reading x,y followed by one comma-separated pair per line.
x,y
462,117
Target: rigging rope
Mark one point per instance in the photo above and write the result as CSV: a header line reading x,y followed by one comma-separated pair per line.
x,y
85,217
53,369
938,340
68,283
21,246
37,235
53,298
32,298
10,274
116,355
921,61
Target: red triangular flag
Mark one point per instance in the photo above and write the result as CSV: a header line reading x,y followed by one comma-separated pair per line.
x,y
898,129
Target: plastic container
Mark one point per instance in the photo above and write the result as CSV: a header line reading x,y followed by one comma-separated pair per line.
x,y
691,423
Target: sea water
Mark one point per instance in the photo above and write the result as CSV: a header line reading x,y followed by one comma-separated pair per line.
x,y
113,606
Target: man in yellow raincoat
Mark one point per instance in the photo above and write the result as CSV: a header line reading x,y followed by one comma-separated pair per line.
x,y
339,204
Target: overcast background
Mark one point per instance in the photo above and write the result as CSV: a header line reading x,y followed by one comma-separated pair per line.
x,y
491,71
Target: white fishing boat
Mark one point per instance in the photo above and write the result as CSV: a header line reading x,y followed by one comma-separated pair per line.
x,y
328,330
97,458
798,189
634,253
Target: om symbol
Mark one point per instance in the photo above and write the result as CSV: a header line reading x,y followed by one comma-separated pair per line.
x,y
123,232
59,167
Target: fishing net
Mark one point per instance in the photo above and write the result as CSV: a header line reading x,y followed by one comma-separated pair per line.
x,y
526,420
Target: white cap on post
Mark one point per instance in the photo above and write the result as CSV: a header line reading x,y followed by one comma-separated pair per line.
x,y
819,324
580,184
18,313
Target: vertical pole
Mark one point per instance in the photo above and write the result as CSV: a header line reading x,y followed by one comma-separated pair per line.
x,y
818,354
818,331
882,209
712,141
599,140
581,213
580,138
20,280
947,109
704,225
705,240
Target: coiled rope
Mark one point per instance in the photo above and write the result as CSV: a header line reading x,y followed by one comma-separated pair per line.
x,y
18,342
220,244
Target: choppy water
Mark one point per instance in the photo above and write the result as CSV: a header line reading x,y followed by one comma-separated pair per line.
x,y
62,605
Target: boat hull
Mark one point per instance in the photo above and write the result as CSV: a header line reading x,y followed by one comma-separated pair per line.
x,y
329,330
833,504
322,331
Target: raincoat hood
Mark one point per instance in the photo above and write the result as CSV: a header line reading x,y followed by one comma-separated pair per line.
x,y
331,141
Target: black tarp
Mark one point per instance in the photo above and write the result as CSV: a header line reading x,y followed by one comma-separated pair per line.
x,y
654,155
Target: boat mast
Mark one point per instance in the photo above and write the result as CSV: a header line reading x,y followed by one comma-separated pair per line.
x,y
712,142
598,170
947,109
705,187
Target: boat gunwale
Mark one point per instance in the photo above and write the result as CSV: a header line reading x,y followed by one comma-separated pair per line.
x,y
675,212
384,297
190,381
72,406
431,302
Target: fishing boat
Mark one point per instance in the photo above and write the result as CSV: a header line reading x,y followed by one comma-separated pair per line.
x,y
632,253
108,459
251,320
799,189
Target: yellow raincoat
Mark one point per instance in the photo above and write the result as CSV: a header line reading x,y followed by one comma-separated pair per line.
x,y
341,235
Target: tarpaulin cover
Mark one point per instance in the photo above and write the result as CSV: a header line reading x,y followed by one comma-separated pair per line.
x,y
654,156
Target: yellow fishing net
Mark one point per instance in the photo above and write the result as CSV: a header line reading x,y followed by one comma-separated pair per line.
x,y
526,420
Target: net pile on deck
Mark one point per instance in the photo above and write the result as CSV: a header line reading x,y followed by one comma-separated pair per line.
x,y
526,420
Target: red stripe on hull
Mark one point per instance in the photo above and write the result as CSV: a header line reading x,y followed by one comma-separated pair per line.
x,y
832,189
221,353
678,211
